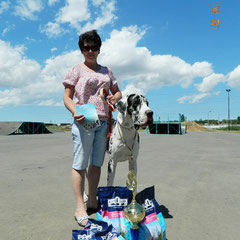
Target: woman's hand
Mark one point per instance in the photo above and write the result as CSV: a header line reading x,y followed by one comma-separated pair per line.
x,y
79,118
112,100
117,95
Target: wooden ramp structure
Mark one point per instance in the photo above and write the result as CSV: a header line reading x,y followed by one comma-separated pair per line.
x,y
13,128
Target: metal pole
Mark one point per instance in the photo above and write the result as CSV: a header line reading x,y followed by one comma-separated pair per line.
x,y
228,91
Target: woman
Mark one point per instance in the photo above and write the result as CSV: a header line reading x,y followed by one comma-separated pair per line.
x,y
85,81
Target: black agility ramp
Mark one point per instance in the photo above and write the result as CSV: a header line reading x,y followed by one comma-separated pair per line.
x,y
165,128
13,128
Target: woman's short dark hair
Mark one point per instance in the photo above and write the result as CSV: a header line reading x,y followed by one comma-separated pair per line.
x,y
90,36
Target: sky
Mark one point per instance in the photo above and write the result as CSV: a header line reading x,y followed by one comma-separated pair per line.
x,y
166,50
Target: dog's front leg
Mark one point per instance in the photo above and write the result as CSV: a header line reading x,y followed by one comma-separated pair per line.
x,y
111,172
132,165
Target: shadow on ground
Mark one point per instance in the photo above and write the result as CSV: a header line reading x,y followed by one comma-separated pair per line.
x,y
165,212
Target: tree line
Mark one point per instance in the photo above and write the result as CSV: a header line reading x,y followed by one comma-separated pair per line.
x,y
216,122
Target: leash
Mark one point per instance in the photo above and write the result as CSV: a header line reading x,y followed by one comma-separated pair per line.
x,y
121,135
111,107
104,95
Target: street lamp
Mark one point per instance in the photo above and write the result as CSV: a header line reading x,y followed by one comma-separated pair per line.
x,y
228,91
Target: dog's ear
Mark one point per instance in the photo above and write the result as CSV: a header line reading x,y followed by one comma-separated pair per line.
x,y
129,104
121,106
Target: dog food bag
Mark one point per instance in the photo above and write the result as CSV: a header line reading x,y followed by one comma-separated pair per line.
x,y
97,230
112,201
153,220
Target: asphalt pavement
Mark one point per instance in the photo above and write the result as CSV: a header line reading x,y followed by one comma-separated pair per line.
x,y
196,178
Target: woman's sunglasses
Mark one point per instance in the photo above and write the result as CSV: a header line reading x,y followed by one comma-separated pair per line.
x,y
94,48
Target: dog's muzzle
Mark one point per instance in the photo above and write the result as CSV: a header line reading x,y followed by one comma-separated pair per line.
x,y
148,121
149,117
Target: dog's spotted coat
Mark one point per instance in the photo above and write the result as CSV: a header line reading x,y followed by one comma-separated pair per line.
x,y
134,112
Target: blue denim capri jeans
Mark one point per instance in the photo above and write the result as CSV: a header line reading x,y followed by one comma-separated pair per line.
x,y
89,145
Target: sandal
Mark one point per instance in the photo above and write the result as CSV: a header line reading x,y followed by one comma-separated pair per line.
x,y
80,219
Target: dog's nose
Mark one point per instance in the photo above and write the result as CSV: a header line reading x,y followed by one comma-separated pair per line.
x,y
149,113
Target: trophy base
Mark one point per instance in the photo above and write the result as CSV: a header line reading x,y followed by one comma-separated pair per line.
x,y
134,226
134,234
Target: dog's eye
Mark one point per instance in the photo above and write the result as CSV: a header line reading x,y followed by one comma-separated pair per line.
x,y
145,101
135,105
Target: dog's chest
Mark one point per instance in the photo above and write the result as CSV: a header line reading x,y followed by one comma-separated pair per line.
x,y
123,142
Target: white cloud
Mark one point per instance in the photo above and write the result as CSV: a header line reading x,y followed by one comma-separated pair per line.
x,y
4,6
23,81
184,98
107,16
193,98
27,8
50,85
233,78
74,12
12,96
210,82
52,2
53,50
144,69
8,29
31,40
52,30
15,69
202,69
97,2
81,17
50,102
206,88
196,97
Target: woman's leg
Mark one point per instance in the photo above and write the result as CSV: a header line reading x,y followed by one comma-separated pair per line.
x,y
82,148
94,173
96,161
78,179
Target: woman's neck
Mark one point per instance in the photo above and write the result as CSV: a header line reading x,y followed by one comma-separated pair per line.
x,y
92,65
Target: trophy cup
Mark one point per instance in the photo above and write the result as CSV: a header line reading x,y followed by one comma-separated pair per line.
x,y
134,212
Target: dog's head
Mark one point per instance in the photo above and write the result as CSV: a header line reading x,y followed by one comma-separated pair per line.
x,y
136,106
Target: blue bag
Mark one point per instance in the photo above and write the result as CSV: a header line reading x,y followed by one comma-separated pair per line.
x,y
96,230
112,201
153,220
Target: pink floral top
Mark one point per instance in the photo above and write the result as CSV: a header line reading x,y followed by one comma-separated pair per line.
x,y
88,84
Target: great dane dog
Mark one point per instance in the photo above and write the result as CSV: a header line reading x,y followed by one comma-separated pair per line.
x,y
134,113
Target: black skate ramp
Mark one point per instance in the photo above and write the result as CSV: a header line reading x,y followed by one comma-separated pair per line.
x,y
13,128
166,128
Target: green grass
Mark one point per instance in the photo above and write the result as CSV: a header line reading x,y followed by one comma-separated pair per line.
x,y
235,129
56,128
